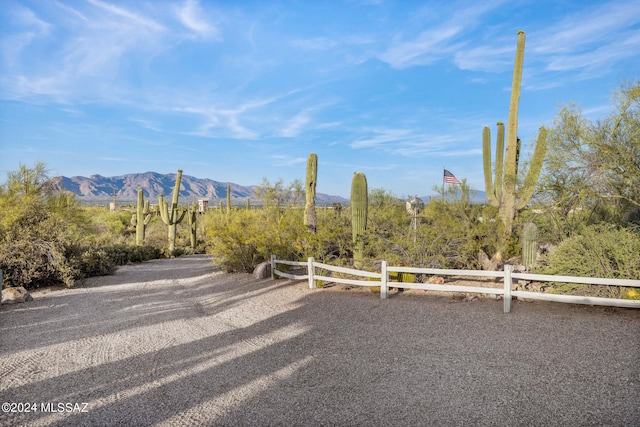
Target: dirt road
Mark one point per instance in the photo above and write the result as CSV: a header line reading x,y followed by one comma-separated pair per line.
x,y
177,342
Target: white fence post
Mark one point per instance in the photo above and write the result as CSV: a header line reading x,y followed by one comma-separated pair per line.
x,y
310,271
384,286
507,288
273,267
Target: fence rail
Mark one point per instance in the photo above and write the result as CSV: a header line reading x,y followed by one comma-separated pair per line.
x,y
382,279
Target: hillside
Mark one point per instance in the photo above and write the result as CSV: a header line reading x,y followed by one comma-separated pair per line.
x,y
100,189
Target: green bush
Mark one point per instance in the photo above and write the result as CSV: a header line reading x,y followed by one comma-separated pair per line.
x,y
245,238
602,250
94,261
449,233
599,251
33,245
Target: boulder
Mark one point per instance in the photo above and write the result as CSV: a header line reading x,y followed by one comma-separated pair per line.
x,y
15,295
262,270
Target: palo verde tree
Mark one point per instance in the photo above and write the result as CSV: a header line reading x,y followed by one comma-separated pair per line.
x,y
592,169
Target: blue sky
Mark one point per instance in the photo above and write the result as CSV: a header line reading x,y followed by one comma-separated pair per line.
x,y
241,90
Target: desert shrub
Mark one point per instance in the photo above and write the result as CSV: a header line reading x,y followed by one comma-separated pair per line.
x,y
97,260
112,227
245,238
43,243
449,233
92,261
33,244
332,239
144,253
599,251
602,250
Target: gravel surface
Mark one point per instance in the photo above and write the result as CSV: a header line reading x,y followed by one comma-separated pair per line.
x,y
177,342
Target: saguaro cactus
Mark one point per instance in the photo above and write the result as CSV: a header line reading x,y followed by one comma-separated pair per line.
x,y
501,192
141,218
192,220
228,199
310,193
529,242
172,217
359,208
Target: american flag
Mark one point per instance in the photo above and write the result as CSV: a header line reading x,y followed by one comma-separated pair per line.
x,y
450,178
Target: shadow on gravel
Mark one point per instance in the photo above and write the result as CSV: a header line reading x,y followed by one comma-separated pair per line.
x,y
349,358
109,304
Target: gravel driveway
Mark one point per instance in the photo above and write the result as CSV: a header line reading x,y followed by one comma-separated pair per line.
x,y
177,342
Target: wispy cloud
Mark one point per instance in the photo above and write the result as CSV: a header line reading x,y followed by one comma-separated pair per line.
x,y
379,138
224,122
128,16
599,25
32,28
294,126
191,16
88,60
415,144
592,40
439,40
494,58
281,160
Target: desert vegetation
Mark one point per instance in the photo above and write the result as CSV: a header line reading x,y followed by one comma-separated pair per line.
x,y
580,216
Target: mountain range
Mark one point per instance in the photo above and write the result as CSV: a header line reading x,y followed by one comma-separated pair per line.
x,y
100,189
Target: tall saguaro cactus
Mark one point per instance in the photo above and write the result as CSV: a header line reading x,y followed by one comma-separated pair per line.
x,y
172,217
310,219
359,208
141,218
501,191
228,199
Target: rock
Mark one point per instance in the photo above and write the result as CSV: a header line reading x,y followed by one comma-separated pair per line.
x,y
14,295
489,264
437,280
262,270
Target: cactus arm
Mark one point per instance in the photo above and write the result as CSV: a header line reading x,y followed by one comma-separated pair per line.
x,y
145,211
526,191
489,188
180,217
310,220
499,160
164,209
176,190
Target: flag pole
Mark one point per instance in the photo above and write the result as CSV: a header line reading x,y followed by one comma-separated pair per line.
x,y
443,169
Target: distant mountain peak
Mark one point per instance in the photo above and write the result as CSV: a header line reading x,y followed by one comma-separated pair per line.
x,y
100,189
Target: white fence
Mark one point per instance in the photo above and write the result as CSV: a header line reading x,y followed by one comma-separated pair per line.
x,y
382,279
